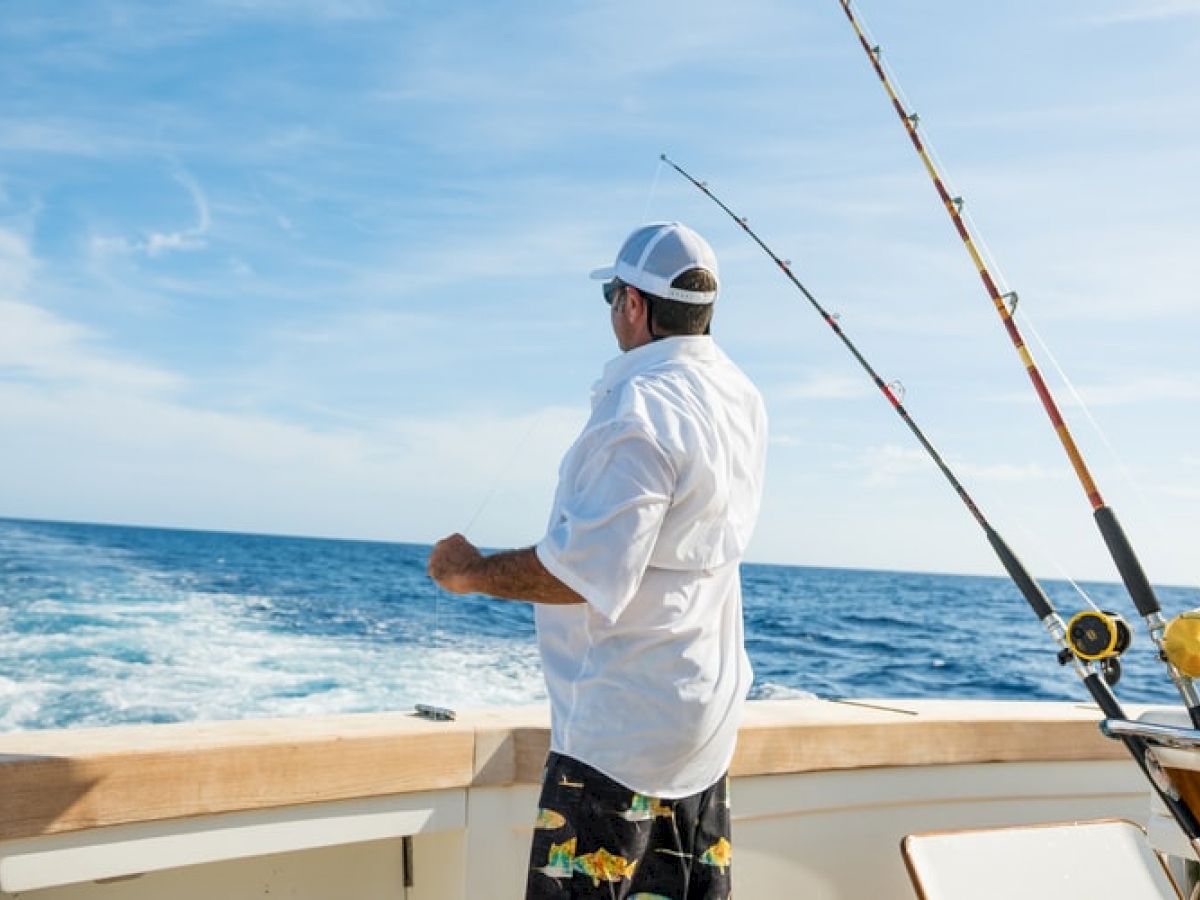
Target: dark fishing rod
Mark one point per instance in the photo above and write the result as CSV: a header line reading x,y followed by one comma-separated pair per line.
x,y
1119,547
1077,643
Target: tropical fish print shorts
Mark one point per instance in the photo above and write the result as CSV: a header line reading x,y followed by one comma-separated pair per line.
x,y
595,838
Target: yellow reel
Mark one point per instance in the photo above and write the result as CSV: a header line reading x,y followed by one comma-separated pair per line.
x,y
1098,634
1181,643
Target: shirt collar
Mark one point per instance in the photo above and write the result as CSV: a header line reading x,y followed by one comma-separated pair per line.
x,y
697,347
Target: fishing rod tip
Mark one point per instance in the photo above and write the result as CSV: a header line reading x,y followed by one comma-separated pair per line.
x,y
663,157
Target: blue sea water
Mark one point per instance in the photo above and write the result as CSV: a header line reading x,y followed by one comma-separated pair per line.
x,y
103,625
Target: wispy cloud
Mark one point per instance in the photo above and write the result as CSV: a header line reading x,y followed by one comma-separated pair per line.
x,y
40,347
786,440
156,459
17,264
488,252
1182,491
1003,473
825,387
334,10
48,352
891,463
1136,390
156,454
156,243
1147,12
65,136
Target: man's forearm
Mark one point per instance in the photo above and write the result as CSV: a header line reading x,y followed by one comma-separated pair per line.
x,y
457,566
520,575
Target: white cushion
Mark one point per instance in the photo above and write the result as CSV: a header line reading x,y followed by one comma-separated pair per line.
x,y
1105,858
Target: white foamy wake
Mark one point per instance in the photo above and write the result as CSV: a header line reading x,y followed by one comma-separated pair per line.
x,y
195,656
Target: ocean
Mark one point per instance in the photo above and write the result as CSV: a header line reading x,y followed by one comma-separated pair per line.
x,y
105,625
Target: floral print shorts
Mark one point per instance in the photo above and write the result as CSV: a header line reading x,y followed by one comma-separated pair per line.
x,y
595,838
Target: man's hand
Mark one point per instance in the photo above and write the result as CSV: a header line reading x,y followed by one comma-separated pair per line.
x,y
452,564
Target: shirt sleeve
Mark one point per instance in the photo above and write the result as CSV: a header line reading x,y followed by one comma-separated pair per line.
x,y
608,516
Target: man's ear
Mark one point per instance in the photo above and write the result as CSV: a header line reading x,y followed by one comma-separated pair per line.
x,y
634,296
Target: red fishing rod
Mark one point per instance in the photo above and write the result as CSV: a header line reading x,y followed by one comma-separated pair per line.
x,y
1081,644
1119,547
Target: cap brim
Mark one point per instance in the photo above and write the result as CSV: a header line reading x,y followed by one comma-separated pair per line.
x,y
608,273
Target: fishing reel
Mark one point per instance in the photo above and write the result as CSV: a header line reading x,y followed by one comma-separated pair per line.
x,y
1100,636
1181,643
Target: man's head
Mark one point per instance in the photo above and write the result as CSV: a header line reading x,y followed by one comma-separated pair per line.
x,y
664,282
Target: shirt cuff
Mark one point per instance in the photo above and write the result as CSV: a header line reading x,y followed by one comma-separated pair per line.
x,y
563,573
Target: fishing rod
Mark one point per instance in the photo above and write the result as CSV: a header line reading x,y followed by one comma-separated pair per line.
x,y
1082,643
1119,547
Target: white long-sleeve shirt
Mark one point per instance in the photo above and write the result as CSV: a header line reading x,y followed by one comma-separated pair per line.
x,y
655,504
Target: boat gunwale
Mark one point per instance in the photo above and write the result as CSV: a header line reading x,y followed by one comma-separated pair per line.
x,y
68,780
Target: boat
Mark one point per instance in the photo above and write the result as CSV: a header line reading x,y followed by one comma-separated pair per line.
x,y
827,795
396,805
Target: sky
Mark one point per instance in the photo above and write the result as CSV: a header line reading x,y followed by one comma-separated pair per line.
x,y
320,268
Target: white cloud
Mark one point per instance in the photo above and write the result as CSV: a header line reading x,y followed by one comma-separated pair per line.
x,y
890,463
826,387
786,440
155,460
337,10
1182,491
154,457
37,345
55,137
17,264
160,242
1147,12
521,251
360,329
1009,473
157,243
1137,390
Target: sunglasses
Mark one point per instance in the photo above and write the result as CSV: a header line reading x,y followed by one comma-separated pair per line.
x,y
612,289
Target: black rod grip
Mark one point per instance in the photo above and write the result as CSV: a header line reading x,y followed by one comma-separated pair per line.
x,y
1030,589
1127,562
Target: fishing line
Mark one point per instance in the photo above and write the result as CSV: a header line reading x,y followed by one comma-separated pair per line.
x,y
1137,584
653,190
1085,408
1050,559
1001,279
1038,547
1074,646
501,474
438,712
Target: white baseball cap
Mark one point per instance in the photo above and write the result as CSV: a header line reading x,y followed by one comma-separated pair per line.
x,y
655,255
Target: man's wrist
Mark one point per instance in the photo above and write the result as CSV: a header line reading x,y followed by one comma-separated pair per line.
x,y
474,576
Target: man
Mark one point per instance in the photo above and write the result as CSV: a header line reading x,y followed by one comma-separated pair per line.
x,y
637,593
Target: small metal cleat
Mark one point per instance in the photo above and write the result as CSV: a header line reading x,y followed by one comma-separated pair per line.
x,y
436,713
